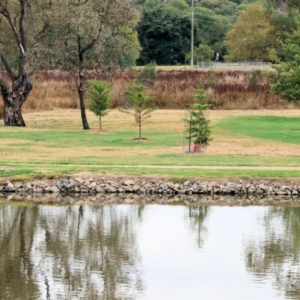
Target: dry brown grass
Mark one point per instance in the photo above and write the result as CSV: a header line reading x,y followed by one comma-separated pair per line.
x,y
174,89
223,142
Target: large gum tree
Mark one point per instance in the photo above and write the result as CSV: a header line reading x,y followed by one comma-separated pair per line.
x,y
21,31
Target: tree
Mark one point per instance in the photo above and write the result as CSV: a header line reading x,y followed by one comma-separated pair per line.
x,y
285,4
141,104
286,79
21,31
198,125
94,32
203,52
211,28
250,37
164,33
98,95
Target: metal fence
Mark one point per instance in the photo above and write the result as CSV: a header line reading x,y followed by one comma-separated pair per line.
x,y
245,65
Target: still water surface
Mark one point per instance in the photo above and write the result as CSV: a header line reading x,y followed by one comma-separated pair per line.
x,y
149,252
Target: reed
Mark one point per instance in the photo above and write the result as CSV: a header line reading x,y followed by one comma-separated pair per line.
x,y
174,89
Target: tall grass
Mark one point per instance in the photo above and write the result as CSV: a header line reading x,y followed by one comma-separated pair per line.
x,y
172,90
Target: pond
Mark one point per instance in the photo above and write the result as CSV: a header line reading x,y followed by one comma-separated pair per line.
x,y
149,252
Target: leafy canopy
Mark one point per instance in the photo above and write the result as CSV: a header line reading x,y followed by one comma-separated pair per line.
x,y
250,37
286,79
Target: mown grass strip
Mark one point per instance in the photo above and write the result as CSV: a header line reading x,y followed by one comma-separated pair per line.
x,y
280,129
51,171
164,160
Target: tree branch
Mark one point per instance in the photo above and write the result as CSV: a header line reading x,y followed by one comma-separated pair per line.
x,y
7,16
21,24
290,4
6,66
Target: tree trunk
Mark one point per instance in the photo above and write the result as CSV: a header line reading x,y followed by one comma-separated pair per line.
x,y
85,123
100,123
80,90
13,116
13,100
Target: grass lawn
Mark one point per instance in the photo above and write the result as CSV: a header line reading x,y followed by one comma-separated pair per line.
x,y
53,143
281,129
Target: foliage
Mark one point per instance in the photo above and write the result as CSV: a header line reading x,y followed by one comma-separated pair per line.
x,y
148,75
98,95
286,79
141,104
202,53
211,28
253,77
250,37
93,36
164,33
198,124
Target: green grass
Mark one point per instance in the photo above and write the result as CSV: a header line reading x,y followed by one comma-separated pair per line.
x,y
40,172
79,138
280,129
33,152
180,160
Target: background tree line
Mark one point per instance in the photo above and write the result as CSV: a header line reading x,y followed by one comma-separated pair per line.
x,y
237,30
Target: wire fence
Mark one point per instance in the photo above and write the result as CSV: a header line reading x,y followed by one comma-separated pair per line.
x,y
245,65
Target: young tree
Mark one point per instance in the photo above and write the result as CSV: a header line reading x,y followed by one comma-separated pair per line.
x,y
198,125
98,95
141,104
21,30
84,33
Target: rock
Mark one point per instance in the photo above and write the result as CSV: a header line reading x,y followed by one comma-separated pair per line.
x,y
128,182
54,189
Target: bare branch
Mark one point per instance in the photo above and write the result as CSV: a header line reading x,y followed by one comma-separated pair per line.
x,y
6,66
7,16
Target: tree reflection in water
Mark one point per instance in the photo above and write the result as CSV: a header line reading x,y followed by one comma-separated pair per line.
x,y
196,216
277,255
71,252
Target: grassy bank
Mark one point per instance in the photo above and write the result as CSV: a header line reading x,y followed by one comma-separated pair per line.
x,y
53,143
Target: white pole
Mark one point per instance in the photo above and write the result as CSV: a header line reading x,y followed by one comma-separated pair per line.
x,y
192,36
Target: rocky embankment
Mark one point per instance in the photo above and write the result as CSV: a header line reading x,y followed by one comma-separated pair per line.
x,y
81,189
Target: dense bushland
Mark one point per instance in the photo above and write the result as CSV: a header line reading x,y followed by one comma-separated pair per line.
x,y
172,90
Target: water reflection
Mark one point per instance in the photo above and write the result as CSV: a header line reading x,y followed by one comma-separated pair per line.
x,y
196,218
277,252
149,252
70,252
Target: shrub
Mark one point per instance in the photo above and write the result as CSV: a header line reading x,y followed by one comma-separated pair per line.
x,y
148,75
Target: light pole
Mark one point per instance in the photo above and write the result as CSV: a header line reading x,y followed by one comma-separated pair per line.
x,y
192,35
